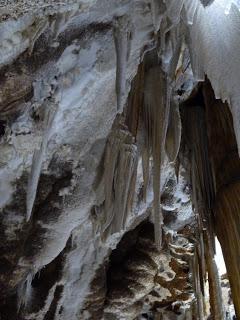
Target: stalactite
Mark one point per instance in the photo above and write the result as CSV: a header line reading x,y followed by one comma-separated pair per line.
x,y
159,80
38,156
170,43
121,32
157,104
158,9
135,101
173,139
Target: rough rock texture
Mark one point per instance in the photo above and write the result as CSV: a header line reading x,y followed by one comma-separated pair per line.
x,y
106,213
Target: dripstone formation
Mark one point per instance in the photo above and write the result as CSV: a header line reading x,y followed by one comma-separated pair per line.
x,y
119,159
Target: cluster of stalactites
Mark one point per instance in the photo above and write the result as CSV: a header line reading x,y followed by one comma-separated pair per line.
x,y
195,144
160,113
156,115
175,23
161,128
211,34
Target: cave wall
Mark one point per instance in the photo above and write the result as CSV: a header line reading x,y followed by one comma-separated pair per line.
x,y
71,168
90,135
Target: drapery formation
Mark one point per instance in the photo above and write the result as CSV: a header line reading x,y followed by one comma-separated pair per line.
x,y
226,169
215,168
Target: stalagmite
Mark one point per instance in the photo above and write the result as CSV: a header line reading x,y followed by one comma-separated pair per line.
x,y
216,302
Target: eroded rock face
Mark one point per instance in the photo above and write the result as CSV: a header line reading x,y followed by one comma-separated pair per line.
x,y
142,281
137,281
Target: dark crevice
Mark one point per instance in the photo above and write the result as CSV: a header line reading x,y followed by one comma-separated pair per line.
x,y
41,284
52,310
206,3
2,127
